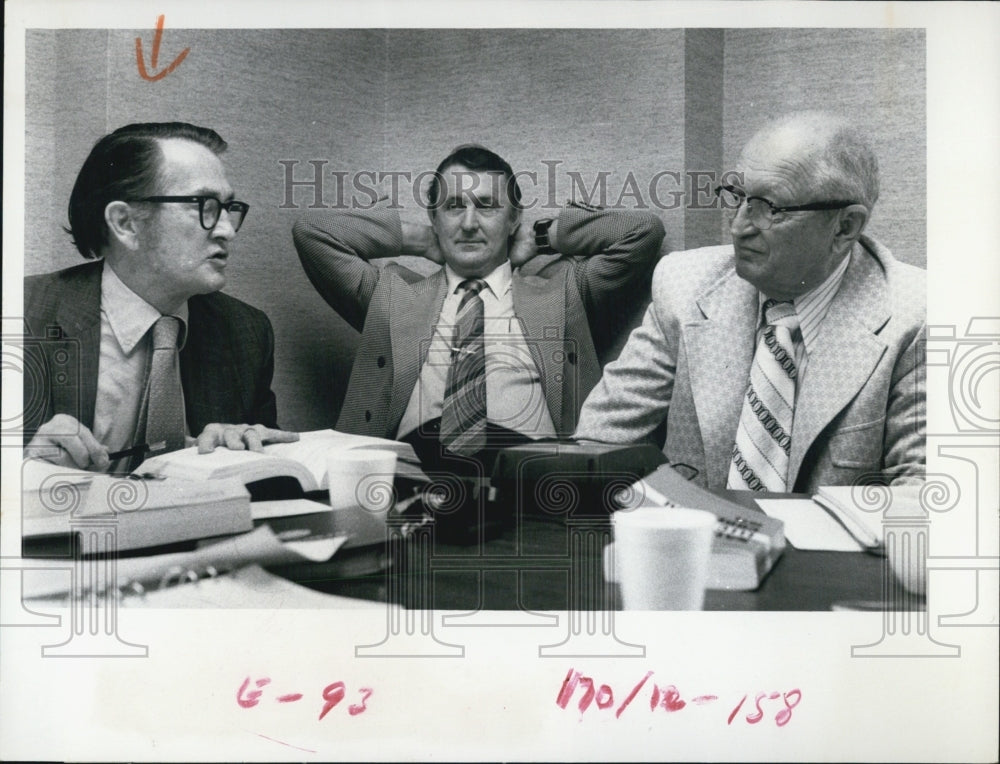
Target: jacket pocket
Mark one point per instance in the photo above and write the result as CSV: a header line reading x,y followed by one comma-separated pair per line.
x,y
858,446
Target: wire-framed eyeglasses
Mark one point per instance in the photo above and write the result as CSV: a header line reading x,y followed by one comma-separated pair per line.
x,y
209,209
761,212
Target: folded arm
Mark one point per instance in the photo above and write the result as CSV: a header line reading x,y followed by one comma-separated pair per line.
x,y
616,251
335,251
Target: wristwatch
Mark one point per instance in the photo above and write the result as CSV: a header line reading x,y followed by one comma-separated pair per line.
x,y
542,244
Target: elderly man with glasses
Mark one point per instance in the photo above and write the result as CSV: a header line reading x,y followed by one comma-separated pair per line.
x,y
138,346
793,358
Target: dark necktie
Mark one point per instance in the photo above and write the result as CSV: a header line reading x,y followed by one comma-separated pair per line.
x,y
764,435
463,416
165,402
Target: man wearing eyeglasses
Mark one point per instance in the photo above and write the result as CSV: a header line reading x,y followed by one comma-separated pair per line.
x,y
138,345
791,359
488,350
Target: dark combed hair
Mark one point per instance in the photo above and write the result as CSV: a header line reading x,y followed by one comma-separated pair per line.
x,y
123,165
478,159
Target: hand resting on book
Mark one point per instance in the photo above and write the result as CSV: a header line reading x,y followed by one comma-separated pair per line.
x,y
240,437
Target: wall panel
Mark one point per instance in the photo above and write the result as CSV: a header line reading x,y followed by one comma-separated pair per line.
x,y
873,76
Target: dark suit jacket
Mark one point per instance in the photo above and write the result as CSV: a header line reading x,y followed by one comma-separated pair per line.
x,y
570,305
226,363
860,410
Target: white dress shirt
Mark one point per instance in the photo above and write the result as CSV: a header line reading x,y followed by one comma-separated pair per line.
x,y
126,320
514,395
810,308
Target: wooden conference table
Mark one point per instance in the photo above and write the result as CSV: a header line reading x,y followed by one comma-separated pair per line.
x,y
545,563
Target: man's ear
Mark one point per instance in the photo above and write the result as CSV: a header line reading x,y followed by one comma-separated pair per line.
x,y
123,224
851,222
515,221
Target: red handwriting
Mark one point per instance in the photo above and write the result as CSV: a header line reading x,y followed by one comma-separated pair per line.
x,y
154,59
668,698
250,699
781,718
332,694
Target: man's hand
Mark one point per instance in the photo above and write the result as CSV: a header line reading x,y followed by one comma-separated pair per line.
x,y
523,248
240,437
420,241
64,441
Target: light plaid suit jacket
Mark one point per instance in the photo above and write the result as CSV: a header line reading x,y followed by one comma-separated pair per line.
x,y
226,364
861,406
571,306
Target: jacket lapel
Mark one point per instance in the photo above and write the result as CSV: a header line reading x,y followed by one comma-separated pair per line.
x,y
542,311
412,318
719,350
79,315
847,351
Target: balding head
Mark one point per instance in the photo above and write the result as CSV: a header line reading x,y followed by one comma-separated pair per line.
x,y
836,158
809,181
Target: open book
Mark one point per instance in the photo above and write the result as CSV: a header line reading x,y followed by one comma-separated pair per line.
x,y
305,460
747,542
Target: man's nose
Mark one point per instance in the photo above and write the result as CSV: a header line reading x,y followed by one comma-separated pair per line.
x,y
470,217
224,227
739,224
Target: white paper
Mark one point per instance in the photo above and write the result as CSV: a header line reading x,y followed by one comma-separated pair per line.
x,y
809,526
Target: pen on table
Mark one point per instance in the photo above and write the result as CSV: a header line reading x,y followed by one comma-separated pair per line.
x,y
140,450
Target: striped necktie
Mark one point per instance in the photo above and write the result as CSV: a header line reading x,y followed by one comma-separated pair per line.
x,y
764,436
165,401
463,416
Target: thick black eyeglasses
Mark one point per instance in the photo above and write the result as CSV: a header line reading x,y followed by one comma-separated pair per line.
x,y
761,215
209,209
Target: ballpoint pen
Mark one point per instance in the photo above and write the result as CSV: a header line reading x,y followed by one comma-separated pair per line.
x,y
140,450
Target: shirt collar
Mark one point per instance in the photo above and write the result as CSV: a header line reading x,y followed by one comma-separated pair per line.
x,y
129,315
498,280
812,306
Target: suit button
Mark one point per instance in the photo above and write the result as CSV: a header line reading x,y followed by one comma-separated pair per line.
x,y
381,361
368,416
572,358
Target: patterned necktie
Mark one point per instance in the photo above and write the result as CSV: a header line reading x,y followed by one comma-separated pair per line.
x,y
463,416
165,402
764,435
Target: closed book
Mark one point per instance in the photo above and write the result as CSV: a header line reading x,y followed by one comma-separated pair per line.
x,y
747,542
58,502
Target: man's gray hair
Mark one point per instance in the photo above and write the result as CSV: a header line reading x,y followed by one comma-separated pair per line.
x,y
844,166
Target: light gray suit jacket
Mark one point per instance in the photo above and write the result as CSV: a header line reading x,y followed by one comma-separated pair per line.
x,y
570,306
860,408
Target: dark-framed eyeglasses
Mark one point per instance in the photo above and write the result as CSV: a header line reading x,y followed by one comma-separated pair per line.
x,y
760,212
209,208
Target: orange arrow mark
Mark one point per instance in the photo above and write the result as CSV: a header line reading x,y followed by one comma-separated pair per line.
x,y
156,56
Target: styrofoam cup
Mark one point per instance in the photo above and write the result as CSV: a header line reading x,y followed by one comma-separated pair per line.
x,y
660,557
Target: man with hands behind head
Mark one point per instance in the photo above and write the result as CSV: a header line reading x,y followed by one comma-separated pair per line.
x,y
502,343
155,351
